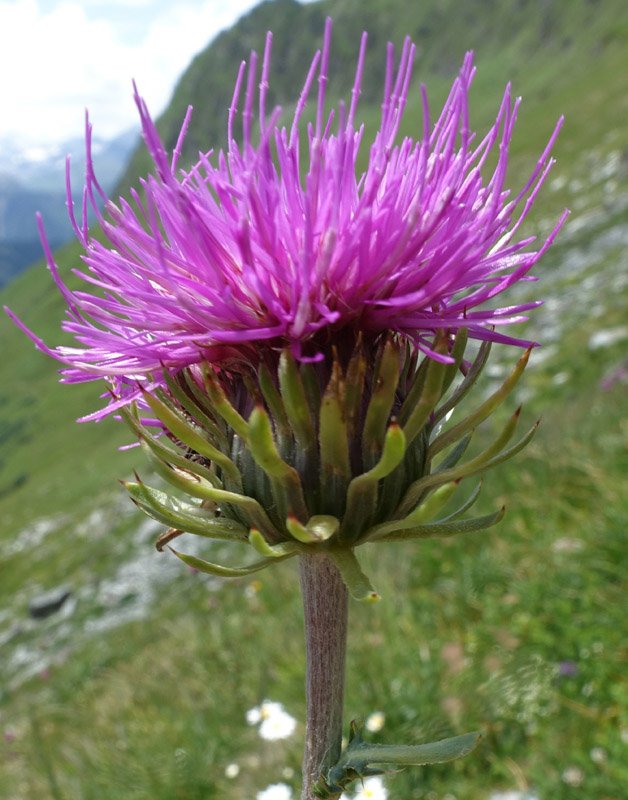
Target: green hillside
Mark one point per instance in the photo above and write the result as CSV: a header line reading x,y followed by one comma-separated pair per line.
x,y
138,688
549,50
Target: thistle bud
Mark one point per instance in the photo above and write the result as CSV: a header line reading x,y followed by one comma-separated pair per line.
x,y
323,456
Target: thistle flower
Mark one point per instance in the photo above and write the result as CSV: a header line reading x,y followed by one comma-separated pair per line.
x,y
294,328
263,247
288,340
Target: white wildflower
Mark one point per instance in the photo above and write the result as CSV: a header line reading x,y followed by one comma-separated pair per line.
x,y
273,720
278,726
375,721
254,715
232,770
573,776
372,789
276,791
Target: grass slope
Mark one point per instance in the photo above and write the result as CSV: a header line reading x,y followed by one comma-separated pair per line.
x,y
141,691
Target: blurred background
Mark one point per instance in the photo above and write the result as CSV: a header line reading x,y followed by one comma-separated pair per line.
x,y
123,675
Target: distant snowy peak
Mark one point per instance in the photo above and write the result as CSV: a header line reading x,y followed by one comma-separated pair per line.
x,y
32,179
41,167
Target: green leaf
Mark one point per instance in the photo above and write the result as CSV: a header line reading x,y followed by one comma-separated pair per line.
x,y
270,551
471,422
285,479
299,532
494,454
274,402
430,395
415,391
457,353
354,388
425,511
429,507
355,580
323,526
295,401
185,517
334,444
202,401
319,528
335,467
465,506
380,405
360,759
403,530
167,452
222,405
416,755
455,454
505,455
194,409
311,386
263,447
467,384
362,491
183,430
226,572
198,487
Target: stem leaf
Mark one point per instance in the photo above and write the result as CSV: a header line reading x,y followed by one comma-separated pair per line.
x,y
421,754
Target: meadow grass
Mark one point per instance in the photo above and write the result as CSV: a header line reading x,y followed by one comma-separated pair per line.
x,y
470,633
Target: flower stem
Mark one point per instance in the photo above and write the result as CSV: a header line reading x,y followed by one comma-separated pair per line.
x,y
325,610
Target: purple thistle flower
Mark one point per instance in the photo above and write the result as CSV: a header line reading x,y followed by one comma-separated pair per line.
x,y
260,248
567,669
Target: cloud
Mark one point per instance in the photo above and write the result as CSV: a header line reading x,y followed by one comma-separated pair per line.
x,y
60,56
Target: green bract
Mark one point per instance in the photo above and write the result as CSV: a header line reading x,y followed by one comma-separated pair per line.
x,y
323,456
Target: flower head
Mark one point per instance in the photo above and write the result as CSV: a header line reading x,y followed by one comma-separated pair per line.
x,y
372,789
299,330
276,791
232,770
375,721
273,720
281,242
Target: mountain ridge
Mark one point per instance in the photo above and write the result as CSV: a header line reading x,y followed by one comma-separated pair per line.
x,y
443,31
32,180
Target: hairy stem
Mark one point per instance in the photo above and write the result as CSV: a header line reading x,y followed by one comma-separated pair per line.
x,y
325,610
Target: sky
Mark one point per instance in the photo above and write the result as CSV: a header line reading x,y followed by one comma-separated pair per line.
x,y
58,57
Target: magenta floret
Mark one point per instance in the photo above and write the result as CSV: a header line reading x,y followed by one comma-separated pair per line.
x,y
258,247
